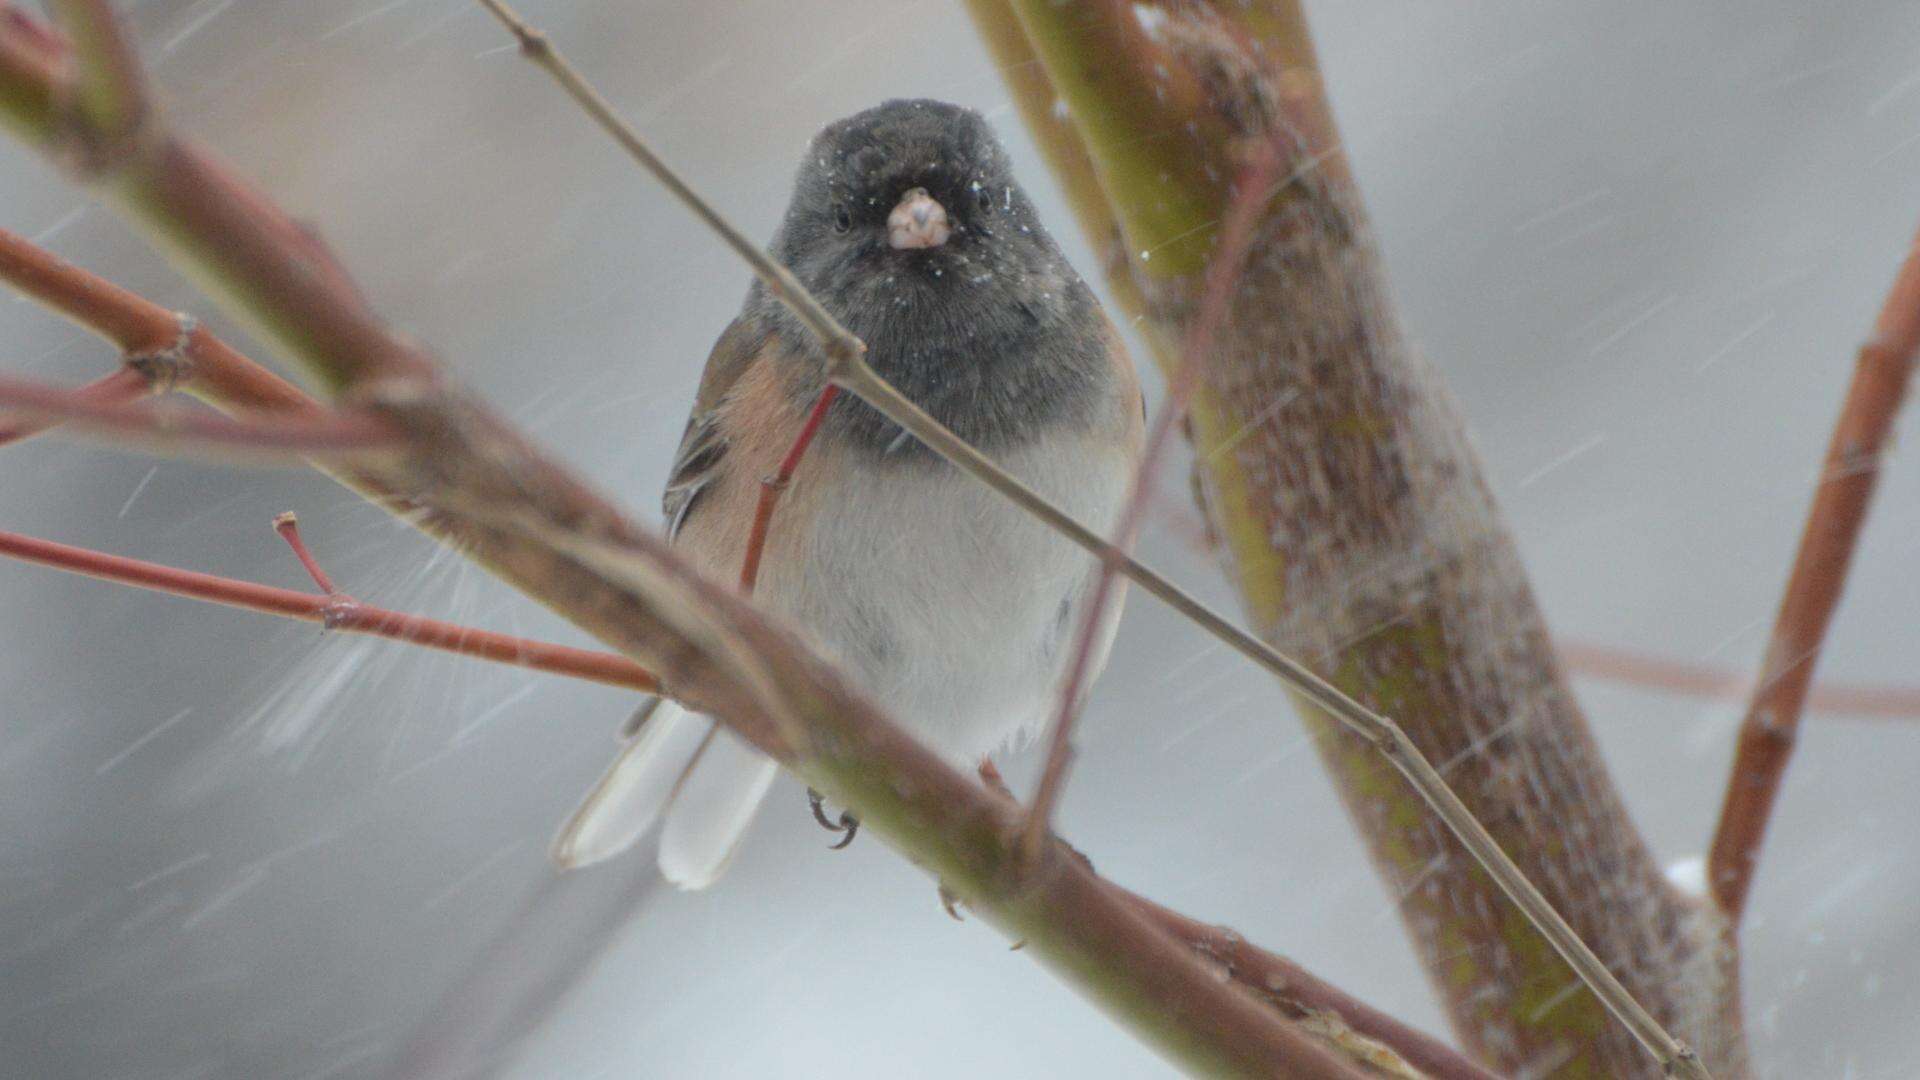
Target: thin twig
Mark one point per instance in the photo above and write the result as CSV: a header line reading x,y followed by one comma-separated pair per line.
x,y
772,487
1635,668
840,343
287,525
323,433
114,388
847,368
1251,191
1881,375
333,611
172,347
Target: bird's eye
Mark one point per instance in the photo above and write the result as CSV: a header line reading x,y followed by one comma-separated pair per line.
x,y
983,198
842,219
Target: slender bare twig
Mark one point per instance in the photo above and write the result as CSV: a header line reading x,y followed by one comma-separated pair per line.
x,y
171,349
287,526
1881,375
847,368
114,388
1635,668
841,344
772,487
1250,192
334,611
174,428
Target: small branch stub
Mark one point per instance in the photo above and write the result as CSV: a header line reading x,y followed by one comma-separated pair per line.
x,y
288,526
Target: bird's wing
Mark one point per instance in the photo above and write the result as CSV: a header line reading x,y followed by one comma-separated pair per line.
x,y
703,445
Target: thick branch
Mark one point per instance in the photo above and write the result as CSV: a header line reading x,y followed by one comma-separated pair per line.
x,y
1292,988
1361,533
1302,993
109,91
1881,376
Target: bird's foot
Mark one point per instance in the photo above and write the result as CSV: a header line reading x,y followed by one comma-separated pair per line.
x,y
951,901
847,826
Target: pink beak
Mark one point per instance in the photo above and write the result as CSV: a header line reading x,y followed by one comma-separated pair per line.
x,y
918,222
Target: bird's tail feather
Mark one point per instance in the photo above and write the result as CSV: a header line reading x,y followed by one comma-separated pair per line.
x,y
706,782
712,809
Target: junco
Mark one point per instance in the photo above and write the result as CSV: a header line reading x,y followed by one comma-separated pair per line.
x,y
956,611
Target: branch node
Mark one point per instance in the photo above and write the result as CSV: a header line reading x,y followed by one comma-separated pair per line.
x,y
1684,1062
166,368
533,43
340,609
847,362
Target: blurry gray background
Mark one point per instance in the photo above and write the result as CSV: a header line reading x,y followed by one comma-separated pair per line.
x,y
1641,243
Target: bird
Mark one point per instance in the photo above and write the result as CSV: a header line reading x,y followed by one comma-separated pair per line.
x,y
948,605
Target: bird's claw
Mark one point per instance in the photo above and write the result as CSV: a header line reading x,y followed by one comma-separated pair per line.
x,y
951,902
848,825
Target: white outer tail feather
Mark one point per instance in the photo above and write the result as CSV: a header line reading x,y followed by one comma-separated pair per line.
x,y
712,809
706,782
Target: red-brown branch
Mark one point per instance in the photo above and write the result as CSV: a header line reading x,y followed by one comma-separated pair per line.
x,y
1286,984
168,346
288,526
1881,376
335,612
1663,673
116,387
139,421
1298,992
1252,190
772,487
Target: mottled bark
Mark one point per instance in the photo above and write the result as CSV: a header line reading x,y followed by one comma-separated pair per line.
x,y
1357,523
1359,527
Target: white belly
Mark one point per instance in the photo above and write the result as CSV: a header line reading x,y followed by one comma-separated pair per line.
x,y
956,609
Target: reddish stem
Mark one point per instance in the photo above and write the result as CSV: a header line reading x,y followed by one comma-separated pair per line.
x,y
1251,192
288,526
1662,673
335,612
114,388
148,334
138,326
331,431
1845,491
773,486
